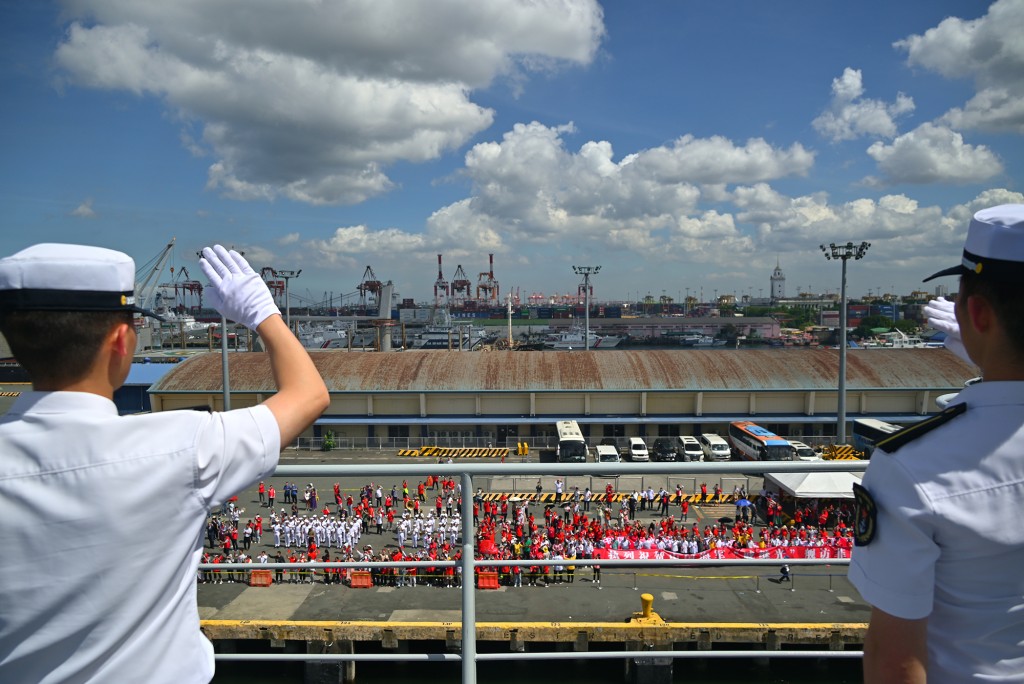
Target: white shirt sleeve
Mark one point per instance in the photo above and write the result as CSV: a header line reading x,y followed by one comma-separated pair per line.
x,y
895,571
235,449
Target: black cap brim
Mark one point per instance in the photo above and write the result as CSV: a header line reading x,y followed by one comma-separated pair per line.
x,y
148,313
43,299
959,269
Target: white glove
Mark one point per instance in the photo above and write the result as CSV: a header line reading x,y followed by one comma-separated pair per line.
x,y
942,316
235,289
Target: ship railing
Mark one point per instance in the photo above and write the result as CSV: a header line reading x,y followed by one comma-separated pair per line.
x,y
457,441
466,471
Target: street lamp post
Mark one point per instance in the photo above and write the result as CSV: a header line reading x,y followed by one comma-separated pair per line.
x,y
288,275
586,272
844,253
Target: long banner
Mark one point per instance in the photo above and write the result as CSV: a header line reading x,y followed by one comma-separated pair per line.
x,y
726,553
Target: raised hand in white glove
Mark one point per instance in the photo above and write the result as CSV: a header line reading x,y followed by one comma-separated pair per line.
x,y
235,289
941,315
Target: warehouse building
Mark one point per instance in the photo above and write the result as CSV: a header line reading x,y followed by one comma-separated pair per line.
x,y
412,398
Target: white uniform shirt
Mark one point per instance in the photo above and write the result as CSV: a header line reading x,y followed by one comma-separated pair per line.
x,y
949,544
89,593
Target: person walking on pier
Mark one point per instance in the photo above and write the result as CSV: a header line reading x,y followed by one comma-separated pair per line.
x,y
934,554
64,440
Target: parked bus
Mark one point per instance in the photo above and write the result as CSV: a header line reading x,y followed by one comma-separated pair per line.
x,y
867,432
572,448
754,443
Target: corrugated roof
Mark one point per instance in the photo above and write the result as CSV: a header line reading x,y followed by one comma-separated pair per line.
x,y
611,370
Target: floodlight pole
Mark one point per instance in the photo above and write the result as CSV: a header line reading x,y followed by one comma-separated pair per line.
x,y
843,253
586,272
288,275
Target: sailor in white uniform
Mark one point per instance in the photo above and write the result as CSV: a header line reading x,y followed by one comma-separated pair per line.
x,y
938,549
66,312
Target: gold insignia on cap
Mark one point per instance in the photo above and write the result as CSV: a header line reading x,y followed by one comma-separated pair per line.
x,y
124,300
977,268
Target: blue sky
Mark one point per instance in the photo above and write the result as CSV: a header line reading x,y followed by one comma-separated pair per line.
x,y
683,146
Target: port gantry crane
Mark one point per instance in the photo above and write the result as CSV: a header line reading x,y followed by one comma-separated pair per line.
x,y
441,290
487,285
369,284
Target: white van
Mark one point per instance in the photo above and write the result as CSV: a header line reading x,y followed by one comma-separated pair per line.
x,y
605,453
715,448
804,452
689,449
638,450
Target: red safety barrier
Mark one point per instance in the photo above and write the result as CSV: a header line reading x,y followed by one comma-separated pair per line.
x,y
487,580
260,578
361,579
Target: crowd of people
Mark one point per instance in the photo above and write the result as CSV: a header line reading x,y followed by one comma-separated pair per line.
x,y
423,523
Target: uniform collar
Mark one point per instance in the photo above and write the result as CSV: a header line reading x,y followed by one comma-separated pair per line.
x,y
991,394
61,402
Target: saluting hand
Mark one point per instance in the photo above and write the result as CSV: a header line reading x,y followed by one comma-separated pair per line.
x,y
941,315
235,289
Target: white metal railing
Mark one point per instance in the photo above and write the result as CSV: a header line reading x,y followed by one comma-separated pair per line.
x,y
469,563
343,443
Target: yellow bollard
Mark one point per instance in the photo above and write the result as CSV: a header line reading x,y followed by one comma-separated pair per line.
x,y
646,603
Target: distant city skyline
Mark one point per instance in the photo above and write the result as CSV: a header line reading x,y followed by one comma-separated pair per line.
x,y
678,145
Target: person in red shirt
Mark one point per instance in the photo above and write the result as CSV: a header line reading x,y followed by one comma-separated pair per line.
x,y
292,575
263,493
684,507
421,491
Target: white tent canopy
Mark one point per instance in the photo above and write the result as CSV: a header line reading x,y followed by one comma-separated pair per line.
x,y
815,485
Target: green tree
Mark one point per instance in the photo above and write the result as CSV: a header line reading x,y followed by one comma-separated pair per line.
x,y
907,326
328,443
869,323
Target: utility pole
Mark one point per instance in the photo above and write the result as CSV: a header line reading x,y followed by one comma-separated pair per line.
x,y
586,272
843,253
288,275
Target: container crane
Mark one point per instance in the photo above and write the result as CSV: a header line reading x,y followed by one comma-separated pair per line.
x,y
487,285
274,284
145,291
184,286
441,290
461,287
369,284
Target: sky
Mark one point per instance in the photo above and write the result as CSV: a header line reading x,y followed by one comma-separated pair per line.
x,y
685,147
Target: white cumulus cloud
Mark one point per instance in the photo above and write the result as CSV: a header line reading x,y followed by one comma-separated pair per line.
x,y
84,210
988,50
934,154
530,190
851,116
313,101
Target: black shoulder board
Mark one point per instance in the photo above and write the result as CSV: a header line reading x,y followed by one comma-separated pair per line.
x,y
910,433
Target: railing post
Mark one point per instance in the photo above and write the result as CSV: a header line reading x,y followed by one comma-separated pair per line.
x,y
468,585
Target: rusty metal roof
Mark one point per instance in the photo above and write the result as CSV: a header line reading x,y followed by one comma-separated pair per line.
x,y
611,370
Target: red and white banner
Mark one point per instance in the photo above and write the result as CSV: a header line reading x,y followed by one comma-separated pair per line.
x,y
726,553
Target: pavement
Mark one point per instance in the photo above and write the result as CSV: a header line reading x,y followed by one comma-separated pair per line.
x,y
817,594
